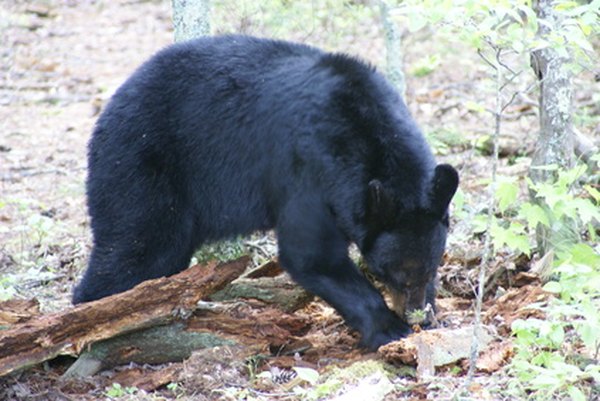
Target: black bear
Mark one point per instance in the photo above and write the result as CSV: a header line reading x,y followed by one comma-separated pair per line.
x,y
226,135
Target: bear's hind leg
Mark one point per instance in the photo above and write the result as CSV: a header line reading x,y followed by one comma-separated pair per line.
x,y
123,257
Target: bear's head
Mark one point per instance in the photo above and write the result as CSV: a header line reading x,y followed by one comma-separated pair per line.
x,y
404,246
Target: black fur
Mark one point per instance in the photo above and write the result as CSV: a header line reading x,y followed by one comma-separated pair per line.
x,y
227,135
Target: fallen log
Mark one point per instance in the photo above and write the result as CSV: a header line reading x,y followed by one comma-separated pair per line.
x,y
279,291
253,323
152,303
211,325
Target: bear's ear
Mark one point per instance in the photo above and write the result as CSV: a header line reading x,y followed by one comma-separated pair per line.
x,y
444,185
379,203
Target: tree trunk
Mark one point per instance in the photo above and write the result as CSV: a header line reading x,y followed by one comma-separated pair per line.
x,y
191,19
393,44
555,144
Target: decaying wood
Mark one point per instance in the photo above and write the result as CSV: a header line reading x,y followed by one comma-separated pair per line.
x,y
207,327
517,303
433,348
270,269
268,284
280,291
152,303
495,356
18,310
146,379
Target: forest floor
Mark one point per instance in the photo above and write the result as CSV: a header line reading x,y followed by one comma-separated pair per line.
x,y
61,61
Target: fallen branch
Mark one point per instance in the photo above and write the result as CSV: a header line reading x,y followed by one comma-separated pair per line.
x,y
209,326
279,291
152,303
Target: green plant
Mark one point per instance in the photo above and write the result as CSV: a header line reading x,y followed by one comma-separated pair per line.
x,y
221,251
253,363
117,391
331,20
176,389
7,287
557,207
557,358
443,139
426,65
507,24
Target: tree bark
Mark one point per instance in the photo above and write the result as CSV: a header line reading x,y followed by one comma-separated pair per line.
x,y
209,326
191,19
152,303
393,48
555,139
279,291
555,143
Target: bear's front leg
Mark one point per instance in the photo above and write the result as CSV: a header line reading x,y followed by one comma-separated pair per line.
x,y
315,253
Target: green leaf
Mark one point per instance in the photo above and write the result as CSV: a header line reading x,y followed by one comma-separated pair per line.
x,y
553,286
546,380
593,192
589,334
506,193
525,330
587,210
265,375
512,237
416,22
307,374
585,255
475,107
552,196
585,28
568,177
518,46
534,215
479,224
547,167
576,394
426,66
458,201
564,6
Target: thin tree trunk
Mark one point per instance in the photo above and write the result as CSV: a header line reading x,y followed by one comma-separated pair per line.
x,y
191,19
393,48
555,144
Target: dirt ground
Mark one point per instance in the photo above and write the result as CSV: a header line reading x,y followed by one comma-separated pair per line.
x,y
62,59
60,63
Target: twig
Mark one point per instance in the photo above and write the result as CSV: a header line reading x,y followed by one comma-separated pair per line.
x,y
22,174
510,80
487,248
501,63
484,58
512,98
271,394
